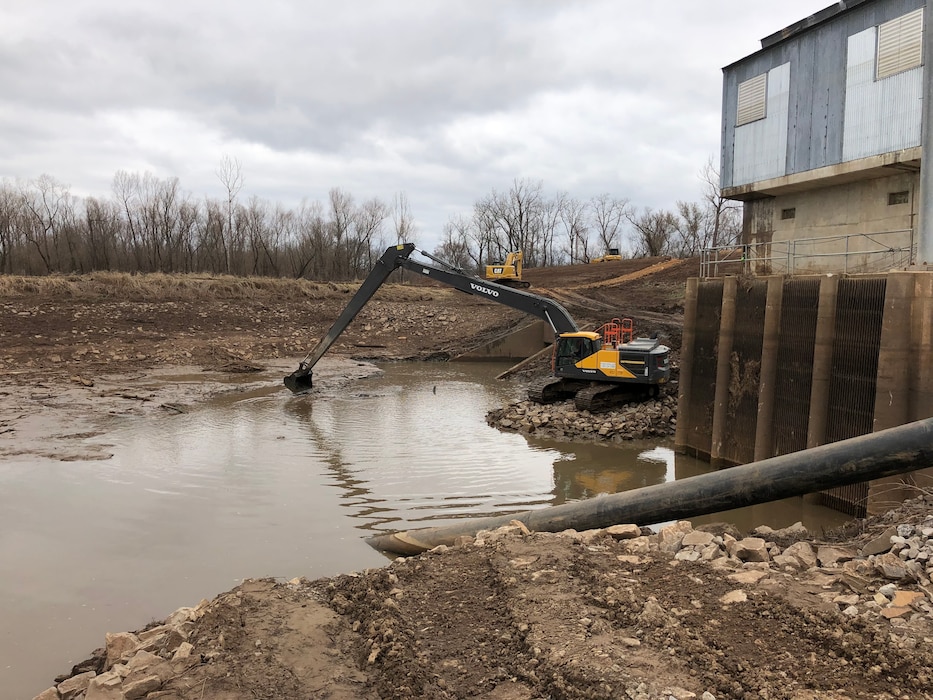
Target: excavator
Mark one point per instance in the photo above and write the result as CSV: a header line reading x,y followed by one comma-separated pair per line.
x,y
596,368
508,272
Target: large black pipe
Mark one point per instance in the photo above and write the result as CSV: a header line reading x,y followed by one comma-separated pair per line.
x,y
888,452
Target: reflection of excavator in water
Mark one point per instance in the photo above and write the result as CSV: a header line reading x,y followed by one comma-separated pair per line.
x,y
592,367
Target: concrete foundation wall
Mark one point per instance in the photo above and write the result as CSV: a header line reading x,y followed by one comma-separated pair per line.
x,y
775,365
514,345
861,207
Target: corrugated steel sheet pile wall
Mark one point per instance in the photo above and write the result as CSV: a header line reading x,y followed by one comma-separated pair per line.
x,y
745,373
706,333
776,365
797,333
856,344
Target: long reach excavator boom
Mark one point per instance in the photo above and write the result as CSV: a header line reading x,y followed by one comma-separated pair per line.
x,y
594,368
398,256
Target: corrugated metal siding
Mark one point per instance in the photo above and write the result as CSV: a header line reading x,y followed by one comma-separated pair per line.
x,y
745,372
761,146
880,115
799,302
859,312
817,99
703,381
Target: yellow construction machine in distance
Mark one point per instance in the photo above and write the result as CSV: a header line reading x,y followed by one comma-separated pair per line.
x,y
612,255
509,272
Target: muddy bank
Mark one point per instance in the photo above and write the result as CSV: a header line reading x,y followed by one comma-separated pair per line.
x,y
616,613
53,418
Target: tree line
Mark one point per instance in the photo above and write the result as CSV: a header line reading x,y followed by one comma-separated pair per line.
x,y
560,229
149,224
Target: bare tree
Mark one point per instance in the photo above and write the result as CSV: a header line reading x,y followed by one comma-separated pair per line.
x,y
608,214
366,237
455,246
573,217
509,221
547,252
254,220
230,174
312,254
103,226
152,224
402,220
654,232
725,214
43,203
9,228
485,230
341,218
519,211
694,229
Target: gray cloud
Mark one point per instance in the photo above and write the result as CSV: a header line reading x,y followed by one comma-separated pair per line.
x,y
442,100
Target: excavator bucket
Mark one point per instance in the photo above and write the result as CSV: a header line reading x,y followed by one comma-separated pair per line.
x,y
299,381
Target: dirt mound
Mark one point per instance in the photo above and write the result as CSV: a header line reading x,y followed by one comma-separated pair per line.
x,y
579,276
512,615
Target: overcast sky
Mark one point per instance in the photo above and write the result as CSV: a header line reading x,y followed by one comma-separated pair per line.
x,y
443,100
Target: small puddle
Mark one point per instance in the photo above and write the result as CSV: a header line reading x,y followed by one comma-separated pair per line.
x,y
263,483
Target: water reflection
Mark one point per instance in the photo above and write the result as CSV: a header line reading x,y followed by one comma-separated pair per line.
x,y
585,470
269,484
413,446
411,449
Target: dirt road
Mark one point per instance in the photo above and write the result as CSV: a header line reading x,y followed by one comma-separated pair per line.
x,y
509,615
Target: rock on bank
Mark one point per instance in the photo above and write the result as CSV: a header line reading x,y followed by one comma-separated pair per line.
x,y
562,420
614,613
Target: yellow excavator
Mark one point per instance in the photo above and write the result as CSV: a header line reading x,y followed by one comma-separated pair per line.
x,y
594,368
508,272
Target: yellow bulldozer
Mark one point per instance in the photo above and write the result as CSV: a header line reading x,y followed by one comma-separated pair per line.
x,y
612,255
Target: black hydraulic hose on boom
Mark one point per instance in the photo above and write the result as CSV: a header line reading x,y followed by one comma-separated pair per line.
x,y
397,256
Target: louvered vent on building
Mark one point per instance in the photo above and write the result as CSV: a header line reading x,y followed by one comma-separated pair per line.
x,y
752,100
899,44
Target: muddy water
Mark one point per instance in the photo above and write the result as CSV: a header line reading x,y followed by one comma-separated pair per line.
x,y
267,484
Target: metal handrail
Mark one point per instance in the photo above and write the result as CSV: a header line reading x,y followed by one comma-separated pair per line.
x,y
786,257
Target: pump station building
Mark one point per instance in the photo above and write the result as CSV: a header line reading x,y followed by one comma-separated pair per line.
x,y
819,325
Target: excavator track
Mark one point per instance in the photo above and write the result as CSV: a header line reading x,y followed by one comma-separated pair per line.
x,y
598,397
510,282
551,389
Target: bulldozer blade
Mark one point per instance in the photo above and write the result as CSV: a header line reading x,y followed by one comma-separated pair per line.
x,y
299,381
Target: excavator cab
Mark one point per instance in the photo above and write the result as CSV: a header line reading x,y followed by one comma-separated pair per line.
x,y
573,347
